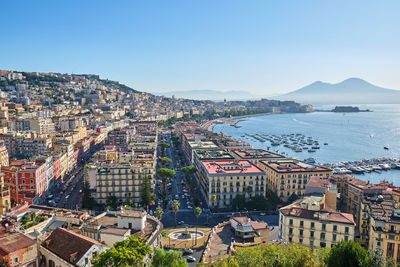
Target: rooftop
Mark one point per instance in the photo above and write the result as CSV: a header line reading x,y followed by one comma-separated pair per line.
x,y
230,167
68,245
256,154
292,165
11,242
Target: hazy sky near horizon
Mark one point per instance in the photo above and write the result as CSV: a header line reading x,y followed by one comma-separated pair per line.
x,y
263,47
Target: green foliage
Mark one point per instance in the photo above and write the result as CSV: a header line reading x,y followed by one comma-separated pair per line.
x,y
87,199
164,172
170,258
165,160
164,145
175,206
146,192
112,202
197,211
130,252
257,202
188,170
271,256
159,212
349,254
293,197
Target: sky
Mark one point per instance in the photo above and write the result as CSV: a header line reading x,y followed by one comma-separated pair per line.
x,y
262,47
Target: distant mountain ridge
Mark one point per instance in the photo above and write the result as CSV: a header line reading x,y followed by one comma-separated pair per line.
x,y
350,91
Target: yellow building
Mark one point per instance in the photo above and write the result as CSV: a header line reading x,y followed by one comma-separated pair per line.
x,y
352,191
3,155
288,177
63,157
311,222
5,200
122,181
227,179
383,224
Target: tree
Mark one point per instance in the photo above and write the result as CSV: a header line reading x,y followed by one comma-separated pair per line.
x,y
249,190
130,252
171,258
197,212
188,170
348,253
87,199
165,174
165,160
146,192
175,206
213,199
159,213
379,259
164,146
112,202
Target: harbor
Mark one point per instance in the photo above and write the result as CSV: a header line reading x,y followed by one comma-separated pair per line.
x,y
377,165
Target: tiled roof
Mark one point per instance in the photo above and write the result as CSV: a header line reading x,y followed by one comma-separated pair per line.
x,y
67,244
11,242
258,225
333,216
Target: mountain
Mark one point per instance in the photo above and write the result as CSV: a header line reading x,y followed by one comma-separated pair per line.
x,y
209,95
350,91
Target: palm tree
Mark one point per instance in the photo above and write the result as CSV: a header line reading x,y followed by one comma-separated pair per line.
x,y
213,199
197,212
159,213
175,207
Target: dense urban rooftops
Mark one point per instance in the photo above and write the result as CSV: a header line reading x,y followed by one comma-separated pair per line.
x,y
292,165
230,167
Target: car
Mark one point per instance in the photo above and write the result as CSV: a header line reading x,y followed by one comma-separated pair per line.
x,y
262,213
189,207
191,259
80,191
188,251
67,197
181,222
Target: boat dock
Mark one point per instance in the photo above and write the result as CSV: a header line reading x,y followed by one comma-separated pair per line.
x,y
363,166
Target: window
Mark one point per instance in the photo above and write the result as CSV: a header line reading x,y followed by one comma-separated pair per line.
x,y
322,236
312,224
301,223
301,232
290,231
346,238
322,244
312,234
334,237
335,228
291,222
323,227
346,230
311,243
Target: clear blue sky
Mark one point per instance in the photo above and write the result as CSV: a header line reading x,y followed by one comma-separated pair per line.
x,y
264,47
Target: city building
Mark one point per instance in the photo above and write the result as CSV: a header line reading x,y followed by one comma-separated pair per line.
x,y
5,199
380,218
228,178
67,248
287,177
27,181
120,180
255,155
310,222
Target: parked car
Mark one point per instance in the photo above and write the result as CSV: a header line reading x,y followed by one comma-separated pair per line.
x,y
191,259
181,222
187,251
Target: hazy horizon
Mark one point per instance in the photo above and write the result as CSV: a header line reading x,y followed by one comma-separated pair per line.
x,y
263,48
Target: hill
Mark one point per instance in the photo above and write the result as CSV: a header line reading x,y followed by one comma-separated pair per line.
x,y
350,91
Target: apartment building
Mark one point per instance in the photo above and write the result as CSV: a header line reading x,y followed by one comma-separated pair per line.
x,y
5,200
255,155
381,219
310,222
27,181
287,177
120,180
4,160
228,178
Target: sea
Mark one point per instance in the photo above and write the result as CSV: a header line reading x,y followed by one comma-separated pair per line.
x,y
349,136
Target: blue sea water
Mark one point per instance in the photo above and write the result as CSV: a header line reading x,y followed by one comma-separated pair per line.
x,y
350,136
